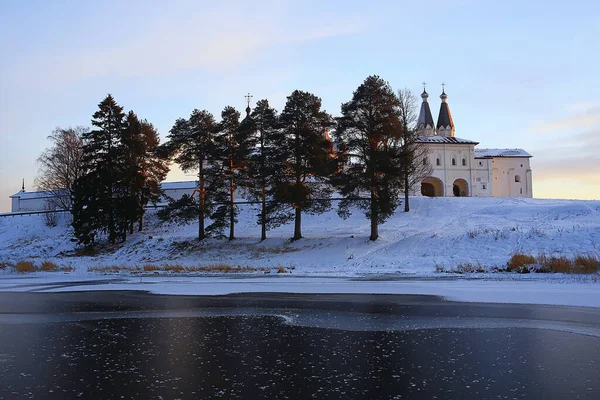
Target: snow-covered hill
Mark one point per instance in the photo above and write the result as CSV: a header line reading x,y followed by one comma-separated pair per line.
x,y
437,231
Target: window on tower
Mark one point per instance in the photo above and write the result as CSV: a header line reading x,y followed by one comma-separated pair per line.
x,y
454,161
437,161
517,178
464,162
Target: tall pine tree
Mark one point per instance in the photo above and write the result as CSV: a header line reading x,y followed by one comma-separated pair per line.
x,y
99,193
369,133
191,144
265,164
307,157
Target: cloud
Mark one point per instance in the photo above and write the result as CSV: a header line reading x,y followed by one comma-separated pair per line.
x,y
220,39
584,119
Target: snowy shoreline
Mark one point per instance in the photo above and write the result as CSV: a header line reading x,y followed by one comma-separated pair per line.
x,y
437,232
565,292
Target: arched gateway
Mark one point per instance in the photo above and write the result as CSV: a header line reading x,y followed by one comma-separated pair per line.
x,y
460,188
432,187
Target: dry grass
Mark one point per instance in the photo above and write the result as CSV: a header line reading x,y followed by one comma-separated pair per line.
x,y
67,269
23,267
174,268
113,269
555,264
281,270
177,268
525,263
150,268
518,262
586,264
49,266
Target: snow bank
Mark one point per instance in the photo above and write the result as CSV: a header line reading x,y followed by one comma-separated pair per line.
x,y
437,231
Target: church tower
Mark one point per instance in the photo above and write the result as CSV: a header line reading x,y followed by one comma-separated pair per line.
x,y
445,125
425,125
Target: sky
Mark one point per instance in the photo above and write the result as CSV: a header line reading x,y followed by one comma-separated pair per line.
x,y
518,74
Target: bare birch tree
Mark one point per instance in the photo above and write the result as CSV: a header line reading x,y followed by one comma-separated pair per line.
x,y
60,165
415,166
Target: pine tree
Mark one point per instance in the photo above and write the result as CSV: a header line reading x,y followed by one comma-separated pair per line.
x,y
306,152
132,152
236,142
191,143
369,133
99,193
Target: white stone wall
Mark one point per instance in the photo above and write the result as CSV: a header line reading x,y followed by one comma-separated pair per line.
x,y
30,204
511,177
482,186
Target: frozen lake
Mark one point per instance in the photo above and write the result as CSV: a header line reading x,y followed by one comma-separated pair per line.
x,y
105,345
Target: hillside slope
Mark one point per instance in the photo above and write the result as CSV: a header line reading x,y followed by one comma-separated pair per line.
x,y
437,231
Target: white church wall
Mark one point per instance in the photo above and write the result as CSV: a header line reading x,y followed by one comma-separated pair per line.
x,y
482,185
511,177
451,163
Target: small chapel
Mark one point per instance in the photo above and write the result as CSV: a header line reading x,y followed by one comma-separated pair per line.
x,y
461,170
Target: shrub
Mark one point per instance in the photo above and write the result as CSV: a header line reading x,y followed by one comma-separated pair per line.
x,y
25,266
49,266
281,270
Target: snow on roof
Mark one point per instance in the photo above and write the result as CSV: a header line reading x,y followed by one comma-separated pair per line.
x,y
33,195
444,139
179,185
488,153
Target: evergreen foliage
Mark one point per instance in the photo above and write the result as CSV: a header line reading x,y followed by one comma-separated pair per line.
x,y
121,172
100,193
265,164
183,210
369,133
307,158
191,144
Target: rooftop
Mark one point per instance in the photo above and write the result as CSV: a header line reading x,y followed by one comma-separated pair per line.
x,y
489,153
445,140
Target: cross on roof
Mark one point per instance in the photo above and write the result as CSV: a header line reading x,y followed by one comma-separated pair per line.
x,y
424,85
248,98
443,86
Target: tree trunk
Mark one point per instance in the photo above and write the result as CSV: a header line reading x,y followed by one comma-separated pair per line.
x,y
231,211
374,215
298,224
141,219
201,233
406,206
263,214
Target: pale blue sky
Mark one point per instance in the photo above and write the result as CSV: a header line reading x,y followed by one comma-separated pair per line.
x,y
518,73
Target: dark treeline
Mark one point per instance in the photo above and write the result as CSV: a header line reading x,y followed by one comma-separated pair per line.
x,y
288,164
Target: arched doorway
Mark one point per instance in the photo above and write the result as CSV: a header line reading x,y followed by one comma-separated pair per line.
x,y
432,187
460,188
